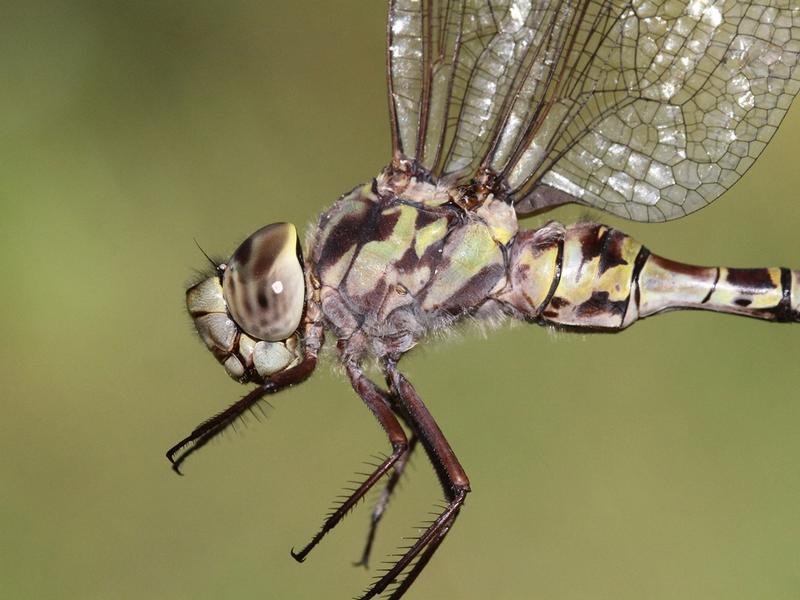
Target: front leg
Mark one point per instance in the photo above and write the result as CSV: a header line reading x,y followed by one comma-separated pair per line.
x,y
209,429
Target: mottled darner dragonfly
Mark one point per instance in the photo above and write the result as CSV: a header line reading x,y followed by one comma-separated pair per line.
x,y
500,109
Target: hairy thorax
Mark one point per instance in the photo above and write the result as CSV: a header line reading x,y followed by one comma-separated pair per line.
x,y
395,260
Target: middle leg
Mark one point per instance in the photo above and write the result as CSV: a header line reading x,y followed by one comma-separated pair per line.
x,y
383,501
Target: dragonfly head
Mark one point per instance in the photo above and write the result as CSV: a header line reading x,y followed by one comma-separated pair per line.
x,y
249,311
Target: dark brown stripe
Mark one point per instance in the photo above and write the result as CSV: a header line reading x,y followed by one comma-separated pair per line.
x,y
408,261
425,217
638,265
298,251
261,297
346,233
386,226
713,287
599,303
750,280
556,278
247,306
591,243
474,291
243,253
678,267
611,250
264,257
375,296
784,312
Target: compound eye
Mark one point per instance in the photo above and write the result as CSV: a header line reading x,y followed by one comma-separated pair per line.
x,y
263,284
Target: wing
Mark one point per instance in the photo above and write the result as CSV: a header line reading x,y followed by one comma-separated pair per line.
x,y
645,109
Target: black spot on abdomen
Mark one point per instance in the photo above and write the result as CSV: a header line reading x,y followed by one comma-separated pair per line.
x,y
599,303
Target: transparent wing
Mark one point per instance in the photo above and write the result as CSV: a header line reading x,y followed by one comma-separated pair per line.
x,y
645,109
451,66
424,42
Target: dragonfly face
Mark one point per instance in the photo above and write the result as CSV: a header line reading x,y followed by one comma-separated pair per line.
x,y
248,312
500,109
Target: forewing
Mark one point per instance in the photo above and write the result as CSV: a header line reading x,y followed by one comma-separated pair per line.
x,y
451,66
648,110
424,43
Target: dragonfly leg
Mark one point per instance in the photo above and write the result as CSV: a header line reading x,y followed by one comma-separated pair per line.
x,y
209,429
376,401
422,562
452,477
383,501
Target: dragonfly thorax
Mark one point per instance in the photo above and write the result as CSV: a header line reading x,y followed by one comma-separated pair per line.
x,y
395,266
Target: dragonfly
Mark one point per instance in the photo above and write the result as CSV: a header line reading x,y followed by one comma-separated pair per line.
x,y
499,110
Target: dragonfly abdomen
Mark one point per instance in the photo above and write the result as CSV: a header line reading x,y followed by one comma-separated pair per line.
x,y
771,293
594,277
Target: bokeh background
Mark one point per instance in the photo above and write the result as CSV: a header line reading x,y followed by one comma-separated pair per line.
x,y
663,463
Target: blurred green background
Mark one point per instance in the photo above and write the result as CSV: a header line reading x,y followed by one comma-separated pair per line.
x,y
662,463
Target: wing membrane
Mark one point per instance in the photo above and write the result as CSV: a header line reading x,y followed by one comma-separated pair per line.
x,y
645,109
423,46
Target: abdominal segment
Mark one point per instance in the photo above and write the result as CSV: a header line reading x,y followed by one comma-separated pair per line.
x,y
593,277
